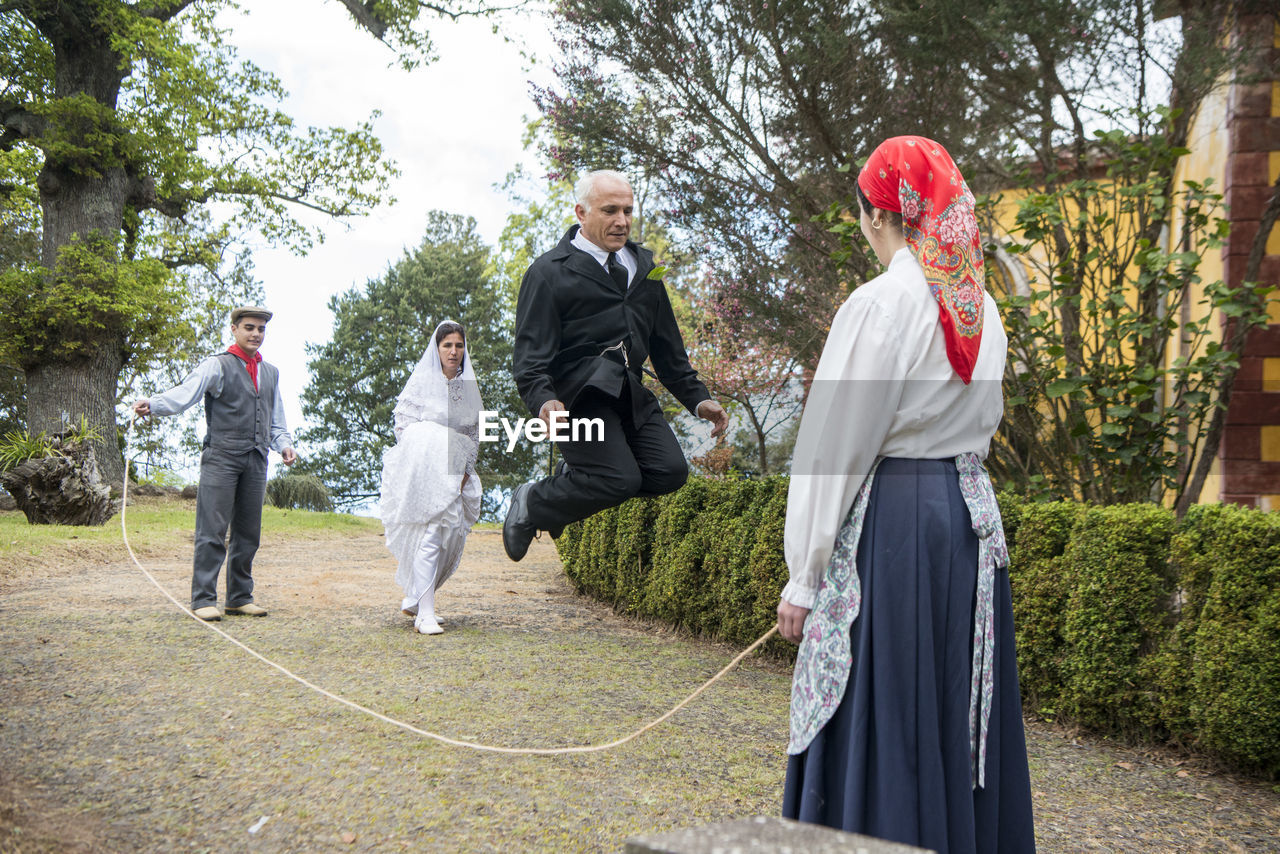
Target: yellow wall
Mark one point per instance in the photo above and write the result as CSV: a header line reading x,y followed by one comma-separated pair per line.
x,y
1209,142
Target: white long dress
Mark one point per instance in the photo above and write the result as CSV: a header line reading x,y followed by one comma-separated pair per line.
x,y
427,512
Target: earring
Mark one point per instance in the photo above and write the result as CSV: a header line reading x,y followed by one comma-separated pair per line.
x,y
877,224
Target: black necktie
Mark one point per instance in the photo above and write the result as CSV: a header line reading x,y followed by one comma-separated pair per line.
x,y
618,271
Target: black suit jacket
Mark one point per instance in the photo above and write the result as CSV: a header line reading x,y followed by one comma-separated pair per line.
x,y
570,310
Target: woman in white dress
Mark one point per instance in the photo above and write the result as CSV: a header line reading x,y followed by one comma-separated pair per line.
x,y
430,491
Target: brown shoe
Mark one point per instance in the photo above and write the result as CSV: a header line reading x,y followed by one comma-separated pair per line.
x,y
248,609
209,613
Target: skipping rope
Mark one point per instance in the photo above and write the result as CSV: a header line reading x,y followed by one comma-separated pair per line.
x,y
527,751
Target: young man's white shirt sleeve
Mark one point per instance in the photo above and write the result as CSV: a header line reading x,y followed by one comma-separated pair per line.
x,y
206,378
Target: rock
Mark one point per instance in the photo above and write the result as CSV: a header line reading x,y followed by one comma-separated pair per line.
x,y
64,489
146,489
7,502
761,834
189,491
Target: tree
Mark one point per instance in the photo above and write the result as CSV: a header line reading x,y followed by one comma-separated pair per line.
x,y
380,330
19,246
138,113
749,117
739,114
760,382
1113,370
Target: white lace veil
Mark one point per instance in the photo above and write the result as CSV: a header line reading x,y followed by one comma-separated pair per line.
x,y
426,396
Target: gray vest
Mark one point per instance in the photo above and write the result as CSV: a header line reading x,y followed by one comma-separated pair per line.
x,y
239,420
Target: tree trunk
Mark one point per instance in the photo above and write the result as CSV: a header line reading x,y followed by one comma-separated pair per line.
x,y
63,489
58,393
79,200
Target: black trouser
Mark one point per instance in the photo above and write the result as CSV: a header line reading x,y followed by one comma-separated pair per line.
x,y
634,459
232,488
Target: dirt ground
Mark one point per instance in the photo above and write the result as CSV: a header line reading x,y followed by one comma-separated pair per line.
x,y
126,726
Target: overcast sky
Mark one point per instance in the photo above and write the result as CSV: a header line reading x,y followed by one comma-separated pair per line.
x,y
453,127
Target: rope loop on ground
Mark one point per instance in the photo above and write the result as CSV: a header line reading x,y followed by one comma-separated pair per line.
x,y
526,751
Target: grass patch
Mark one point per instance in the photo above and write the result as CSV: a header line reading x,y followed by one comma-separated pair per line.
x,y
157,524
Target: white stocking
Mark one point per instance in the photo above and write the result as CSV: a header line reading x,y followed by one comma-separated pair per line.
x,y
425,562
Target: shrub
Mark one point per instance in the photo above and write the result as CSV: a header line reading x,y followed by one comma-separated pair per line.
x,y
1127,621
1235,653
768,568
1117,613
633,544
674,592
1041,587
735,613
707,558
1194,560
299,492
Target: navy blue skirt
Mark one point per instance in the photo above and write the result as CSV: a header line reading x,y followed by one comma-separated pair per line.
x,y
893,762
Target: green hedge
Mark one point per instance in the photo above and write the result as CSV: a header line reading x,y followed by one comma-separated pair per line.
x,y
1127,621
707,558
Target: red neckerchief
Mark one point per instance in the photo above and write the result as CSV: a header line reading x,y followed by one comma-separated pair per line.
x,y
917,177
250,362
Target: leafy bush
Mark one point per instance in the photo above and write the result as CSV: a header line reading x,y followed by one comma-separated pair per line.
x,y
299,492
1194,559
707,558
1038,579
1118,613
1127,621
1234,668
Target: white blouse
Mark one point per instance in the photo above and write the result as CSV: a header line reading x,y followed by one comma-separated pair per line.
x,y
883,388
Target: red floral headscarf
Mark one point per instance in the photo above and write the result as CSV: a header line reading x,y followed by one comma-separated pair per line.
x,y
916,177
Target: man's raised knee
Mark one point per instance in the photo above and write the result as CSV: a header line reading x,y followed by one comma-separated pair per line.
x,y
621,485
666,480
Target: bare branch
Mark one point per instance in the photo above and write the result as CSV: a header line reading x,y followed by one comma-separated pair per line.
x,y
143,196
163,10
18,123
344,210
177,205
478,12
365,17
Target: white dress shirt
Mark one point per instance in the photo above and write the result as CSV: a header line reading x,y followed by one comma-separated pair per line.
x,y
207,377
626,257
883,388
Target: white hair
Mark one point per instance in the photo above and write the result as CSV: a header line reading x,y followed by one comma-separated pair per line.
x,y
587,185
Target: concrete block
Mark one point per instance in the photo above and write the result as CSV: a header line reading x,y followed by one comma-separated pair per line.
x,y
764,835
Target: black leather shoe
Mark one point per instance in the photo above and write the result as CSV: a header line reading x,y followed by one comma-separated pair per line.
x,y
517,530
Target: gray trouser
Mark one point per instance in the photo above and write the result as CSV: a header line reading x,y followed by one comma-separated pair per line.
x,y
232,489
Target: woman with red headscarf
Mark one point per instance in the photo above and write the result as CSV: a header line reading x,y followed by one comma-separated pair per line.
x,y
906,722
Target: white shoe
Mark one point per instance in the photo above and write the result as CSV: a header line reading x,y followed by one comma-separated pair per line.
x,y
409,607
427,625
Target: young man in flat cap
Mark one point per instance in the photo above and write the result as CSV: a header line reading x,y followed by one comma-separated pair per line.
x,y
244,417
